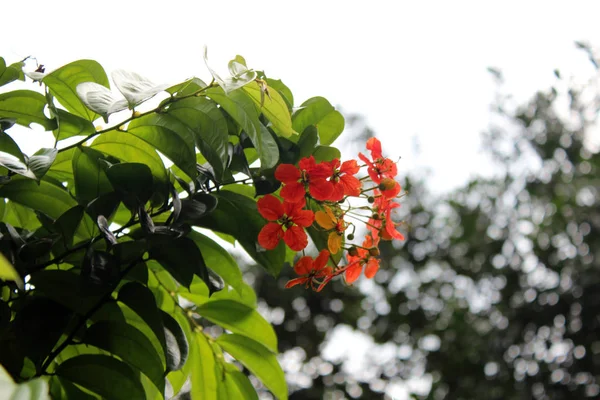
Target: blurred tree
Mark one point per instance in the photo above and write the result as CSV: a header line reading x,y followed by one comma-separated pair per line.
x,y
496,292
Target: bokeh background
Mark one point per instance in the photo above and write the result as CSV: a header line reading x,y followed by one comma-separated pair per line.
x,y
492,107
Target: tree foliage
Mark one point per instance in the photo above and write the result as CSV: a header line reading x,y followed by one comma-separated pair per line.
x,y
108,288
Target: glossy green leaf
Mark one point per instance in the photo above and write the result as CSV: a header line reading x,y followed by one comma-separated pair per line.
x,y
231,209
206,121
272,105
187,87
238,386
8,145
319,112
63,85
133,180
8,272
89,175
243,110
70,125
326,153
104,375
283,90
177,344
43,196
204,379
131,345
20,216
26,107
62,168
219,260
176,144
260,361
241,319
129,148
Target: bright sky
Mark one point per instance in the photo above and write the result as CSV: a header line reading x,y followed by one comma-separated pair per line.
x,y
416,70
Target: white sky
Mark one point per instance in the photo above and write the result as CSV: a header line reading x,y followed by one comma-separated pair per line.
x,y
416,70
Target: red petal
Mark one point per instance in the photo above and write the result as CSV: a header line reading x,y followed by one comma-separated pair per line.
x,y
303,218
322,170
372,267
295,238
287,173
270,207
293,192
351,185
304,266
338,191
374,145
295,282
320,189
270,235
307,163
353,272
392,232
321,260
391,193
350,167
364,159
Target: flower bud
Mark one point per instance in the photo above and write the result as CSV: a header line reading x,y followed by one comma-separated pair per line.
x,y
351,236
353,251
387,184
371,199
374,252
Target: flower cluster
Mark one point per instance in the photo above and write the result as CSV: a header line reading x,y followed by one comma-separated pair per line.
x,y
316,196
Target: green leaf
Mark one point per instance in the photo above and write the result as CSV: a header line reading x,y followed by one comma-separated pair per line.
x,y
34,389
219,260
103,375
238,386
70,125
133,180
242,109
283,90
326,153
129,148
161,132
89,175
206,121
62,168
272,105
9,273
26,107
177,344
63,287
41,161
63,85
131,345
204,378
260,361
241,319
319,112
141,300
43,196
186,88
8,145
7,74
233,208
19,216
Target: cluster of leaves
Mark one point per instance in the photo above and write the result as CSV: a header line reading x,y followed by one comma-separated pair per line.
x,y
106,287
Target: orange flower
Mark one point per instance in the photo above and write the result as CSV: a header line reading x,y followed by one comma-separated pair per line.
x,y
307,176
381,224
379,167
328,221
365,256
288,219
311,271
343,179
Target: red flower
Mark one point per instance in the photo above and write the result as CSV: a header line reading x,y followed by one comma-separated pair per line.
x,y
311,271
379,167
290,216
365,256
308,175
381,224
343,179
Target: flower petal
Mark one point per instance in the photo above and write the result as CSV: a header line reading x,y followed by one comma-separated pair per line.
x,y
372,267
295,238
287,173
320,189
351,184
324,220
374,145
321,260
293,192
303,218
269,235
334,242
296,281
349,167
353,272
270,207
304,266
